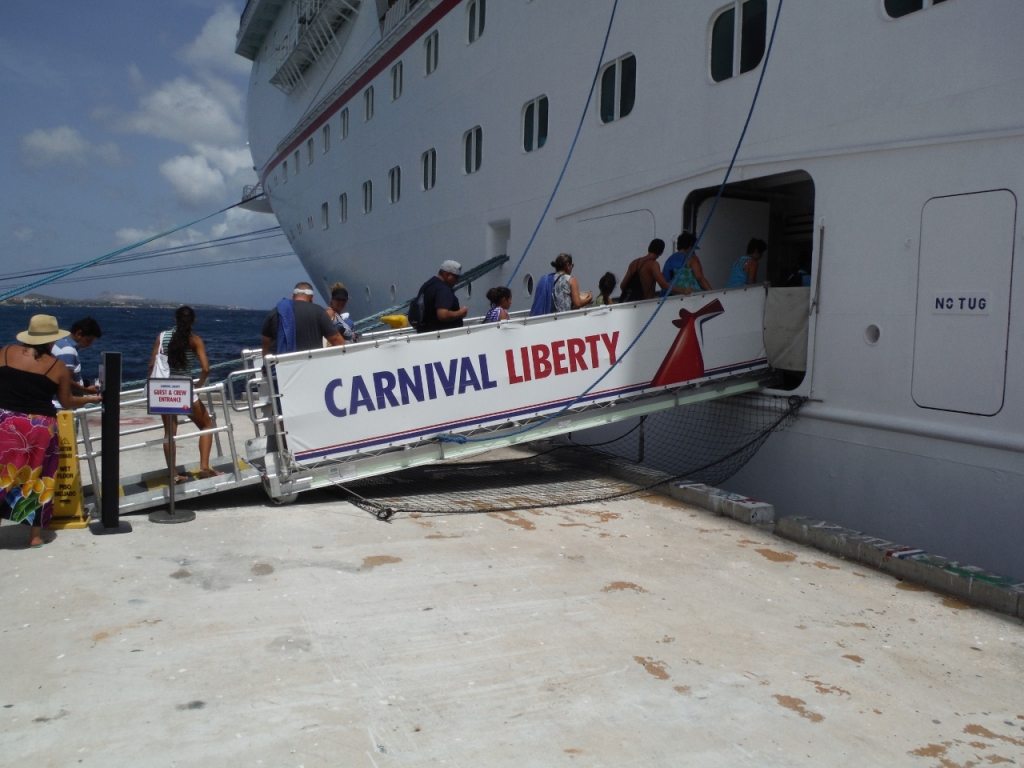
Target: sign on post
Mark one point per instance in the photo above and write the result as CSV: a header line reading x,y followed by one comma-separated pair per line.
x,y
169,397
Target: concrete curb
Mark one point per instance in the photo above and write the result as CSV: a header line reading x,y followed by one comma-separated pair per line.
x,y
965,581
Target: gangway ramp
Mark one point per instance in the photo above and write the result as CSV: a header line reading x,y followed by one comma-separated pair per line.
x,y
398,399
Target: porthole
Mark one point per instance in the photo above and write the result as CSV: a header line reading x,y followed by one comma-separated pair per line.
x,y
528,285
872,334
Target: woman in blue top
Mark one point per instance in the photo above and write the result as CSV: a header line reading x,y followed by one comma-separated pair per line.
x,y
744,271
185,352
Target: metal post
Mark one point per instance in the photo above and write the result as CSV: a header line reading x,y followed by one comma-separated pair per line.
x,y
110,440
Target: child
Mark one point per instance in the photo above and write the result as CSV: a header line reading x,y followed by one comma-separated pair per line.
x,y
501,299
605,285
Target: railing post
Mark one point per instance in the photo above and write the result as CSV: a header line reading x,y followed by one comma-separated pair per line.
x,y
110,441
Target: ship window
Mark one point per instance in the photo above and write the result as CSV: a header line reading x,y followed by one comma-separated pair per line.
x,y
284,171
298,228
367,196
476,16
396,81
430,48
473,142
618,88
528,285
535,124
327,138
325,216
344,124
394,293
896,8
343,207
429,162
738,48
368,104
309,152
395,184
309,222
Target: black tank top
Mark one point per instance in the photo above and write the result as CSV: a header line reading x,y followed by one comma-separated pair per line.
x,y
27,392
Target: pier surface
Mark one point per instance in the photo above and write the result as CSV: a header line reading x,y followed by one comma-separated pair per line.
x,y
637,632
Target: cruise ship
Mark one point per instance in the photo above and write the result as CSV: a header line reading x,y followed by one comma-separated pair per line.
x,y
883,160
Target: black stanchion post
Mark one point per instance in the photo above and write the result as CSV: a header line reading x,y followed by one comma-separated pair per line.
x,y
110,441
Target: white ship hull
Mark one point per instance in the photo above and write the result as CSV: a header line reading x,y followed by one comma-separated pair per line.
x,y
887,150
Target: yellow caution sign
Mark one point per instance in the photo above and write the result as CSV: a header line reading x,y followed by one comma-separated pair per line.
x,y
68,510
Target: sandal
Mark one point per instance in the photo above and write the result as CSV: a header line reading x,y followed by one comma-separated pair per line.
x,y
205,474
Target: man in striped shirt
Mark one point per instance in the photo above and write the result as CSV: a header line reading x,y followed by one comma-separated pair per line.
x,y
84,333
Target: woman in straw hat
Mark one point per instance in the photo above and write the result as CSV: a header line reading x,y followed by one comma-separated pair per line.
x,y
30,378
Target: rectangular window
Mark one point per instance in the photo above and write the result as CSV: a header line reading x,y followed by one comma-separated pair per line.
x,y
430,49
309,152
722,34
284,171
429,163
535,124
298,162
395,184
396,81
343,208
474,146
476,11
367,196
618,88
368,104
325,220
752,36
326,133
344,123
738,38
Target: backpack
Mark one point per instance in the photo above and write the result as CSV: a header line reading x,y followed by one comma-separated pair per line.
x,y
634,290
417,310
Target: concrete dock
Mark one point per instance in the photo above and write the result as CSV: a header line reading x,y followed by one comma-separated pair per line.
x,y
637,632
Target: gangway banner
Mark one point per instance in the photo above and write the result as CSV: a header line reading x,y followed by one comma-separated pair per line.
x,y
399,390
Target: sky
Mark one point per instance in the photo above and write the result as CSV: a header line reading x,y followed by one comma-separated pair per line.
x,y
122,119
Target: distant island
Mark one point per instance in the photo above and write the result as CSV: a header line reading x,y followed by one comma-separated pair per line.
x,y
103,300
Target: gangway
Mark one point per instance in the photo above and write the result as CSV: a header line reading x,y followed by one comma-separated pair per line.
x,y
398,399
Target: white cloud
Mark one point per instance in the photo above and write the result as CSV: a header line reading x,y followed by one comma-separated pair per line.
x,y
194,180
130,235
215,46
186,111
65,146
24,233
238,220
136,77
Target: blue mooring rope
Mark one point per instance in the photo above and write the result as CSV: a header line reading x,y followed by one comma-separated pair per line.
x,y
721,189
572,148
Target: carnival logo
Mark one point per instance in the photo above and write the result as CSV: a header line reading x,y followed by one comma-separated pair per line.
x,y
685,359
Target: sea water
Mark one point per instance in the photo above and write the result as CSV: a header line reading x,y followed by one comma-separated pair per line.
x,y
132,331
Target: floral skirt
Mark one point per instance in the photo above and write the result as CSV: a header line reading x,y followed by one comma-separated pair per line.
x,y
29,453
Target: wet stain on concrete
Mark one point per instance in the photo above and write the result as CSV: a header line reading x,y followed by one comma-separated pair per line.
x,y
513,518
262,569
375,560
100,636
443,536
622,586
602,516
823,565
859,624
824,688
181,573
797,705
197,704
684,689
776,557
653,667
575,558
854,658
909,586
980,730
666,639
956,605
43,719
573,751
744,542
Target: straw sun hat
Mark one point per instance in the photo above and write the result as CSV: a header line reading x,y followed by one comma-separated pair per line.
x,y
42,329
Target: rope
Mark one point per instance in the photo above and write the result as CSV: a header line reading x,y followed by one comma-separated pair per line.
x,y
572,148
721,189
25,288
